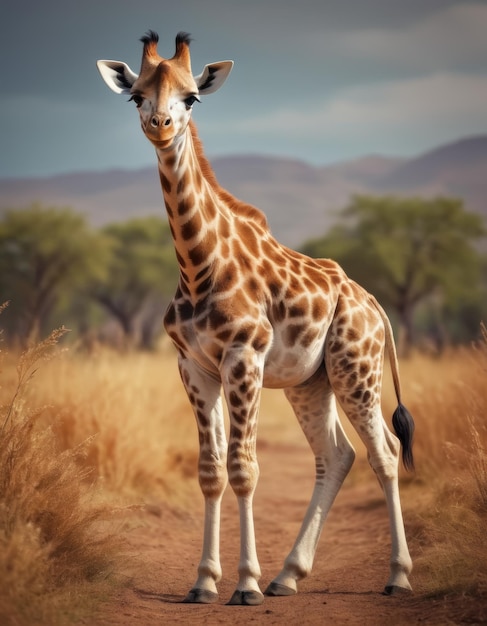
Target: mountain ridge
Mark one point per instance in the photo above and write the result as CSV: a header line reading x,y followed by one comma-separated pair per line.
x,y
300,200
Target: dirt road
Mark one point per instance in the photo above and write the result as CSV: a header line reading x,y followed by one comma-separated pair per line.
x,y
350,571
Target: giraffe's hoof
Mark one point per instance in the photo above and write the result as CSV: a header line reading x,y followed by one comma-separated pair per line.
x,y
200,596
394,590
246,598
276,589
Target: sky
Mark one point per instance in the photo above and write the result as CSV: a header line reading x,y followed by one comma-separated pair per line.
x,y
323,81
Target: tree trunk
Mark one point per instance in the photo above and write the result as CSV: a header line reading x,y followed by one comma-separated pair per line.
x,y
151,324
128,325
124,318
406,333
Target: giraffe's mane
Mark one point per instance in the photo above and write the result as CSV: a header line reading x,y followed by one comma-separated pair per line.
x,y
237,207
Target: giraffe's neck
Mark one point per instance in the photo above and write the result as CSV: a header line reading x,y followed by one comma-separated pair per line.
x,y
202,216
193,211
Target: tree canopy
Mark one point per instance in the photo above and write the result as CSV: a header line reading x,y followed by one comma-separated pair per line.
x,y
406,251
45,252
141,276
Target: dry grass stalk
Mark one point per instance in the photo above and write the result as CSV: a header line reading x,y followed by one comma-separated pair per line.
x,y
26,368
52,540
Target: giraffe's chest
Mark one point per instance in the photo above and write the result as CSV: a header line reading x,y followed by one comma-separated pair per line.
x,y
291,350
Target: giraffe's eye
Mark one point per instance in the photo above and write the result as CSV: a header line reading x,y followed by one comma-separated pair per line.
x,y
137,99
190,100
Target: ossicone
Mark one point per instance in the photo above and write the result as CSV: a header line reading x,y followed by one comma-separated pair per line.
x,y
150,56
182,39
182,49
150,40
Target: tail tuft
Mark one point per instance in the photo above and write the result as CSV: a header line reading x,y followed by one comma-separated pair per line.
x,y
403,424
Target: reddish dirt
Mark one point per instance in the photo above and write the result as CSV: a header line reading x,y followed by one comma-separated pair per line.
x,y
351,565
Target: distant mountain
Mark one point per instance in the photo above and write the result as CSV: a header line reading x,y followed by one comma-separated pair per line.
x,y
463,160
300,200
367,169
457,169
108,196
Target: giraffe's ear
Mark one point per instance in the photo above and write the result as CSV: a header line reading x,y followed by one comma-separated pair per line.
x,y
117,75
213,76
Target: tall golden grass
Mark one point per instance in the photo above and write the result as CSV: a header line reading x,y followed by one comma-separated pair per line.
x,y
55,553
89,432
448,503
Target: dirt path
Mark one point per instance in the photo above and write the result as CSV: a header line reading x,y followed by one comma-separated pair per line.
x,y
351,565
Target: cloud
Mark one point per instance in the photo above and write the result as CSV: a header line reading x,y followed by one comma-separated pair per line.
x,y
383,115
448,40
440,100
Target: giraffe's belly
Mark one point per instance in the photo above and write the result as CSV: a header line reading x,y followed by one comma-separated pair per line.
x,y
287,366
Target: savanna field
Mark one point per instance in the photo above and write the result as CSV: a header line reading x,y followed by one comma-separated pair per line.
x,y
94,442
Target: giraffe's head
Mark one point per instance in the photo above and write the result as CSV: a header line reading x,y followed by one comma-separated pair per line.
x,y
165,90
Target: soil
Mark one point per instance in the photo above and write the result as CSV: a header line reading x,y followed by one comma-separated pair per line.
x,y
345,586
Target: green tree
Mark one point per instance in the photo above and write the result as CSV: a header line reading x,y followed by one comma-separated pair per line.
x,y
45,253
142,274
408,251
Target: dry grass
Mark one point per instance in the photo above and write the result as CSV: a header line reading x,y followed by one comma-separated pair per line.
x,y
447,505
118,429
56,557
134,412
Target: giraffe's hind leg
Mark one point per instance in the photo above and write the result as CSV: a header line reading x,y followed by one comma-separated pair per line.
x,y
354,363
315,408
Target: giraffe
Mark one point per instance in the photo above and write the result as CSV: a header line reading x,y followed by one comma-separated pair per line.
x,y
250,313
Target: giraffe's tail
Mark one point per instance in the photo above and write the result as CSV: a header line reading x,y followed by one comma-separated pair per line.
x,y
402,420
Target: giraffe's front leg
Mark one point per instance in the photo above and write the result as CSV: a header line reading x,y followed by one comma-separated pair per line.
x,y
204,394
242,384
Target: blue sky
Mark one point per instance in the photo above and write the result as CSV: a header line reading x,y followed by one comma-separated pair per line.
x,y
318,80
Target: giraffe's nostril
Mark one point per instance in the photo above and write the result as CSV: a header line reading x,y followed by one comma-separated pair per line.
x,y
160,120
